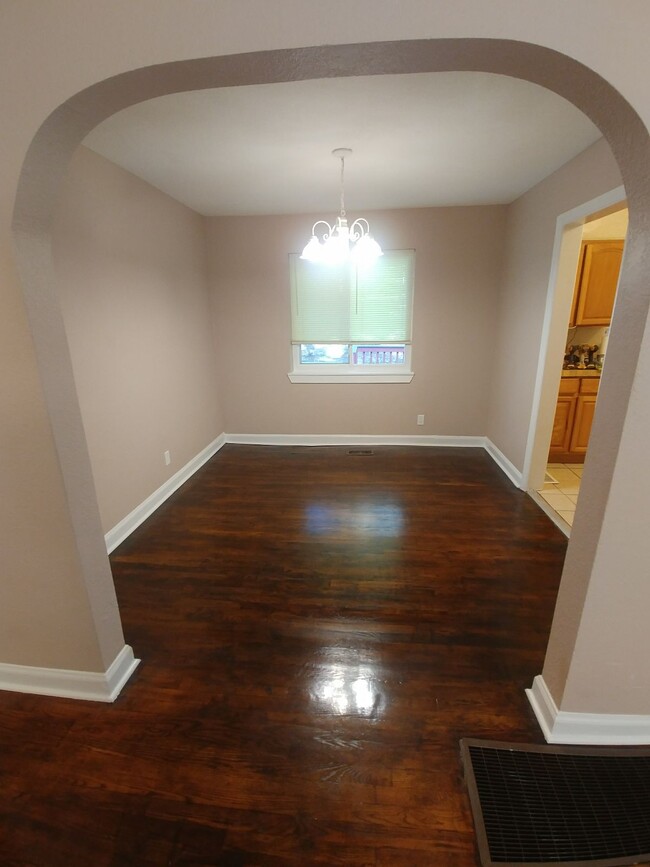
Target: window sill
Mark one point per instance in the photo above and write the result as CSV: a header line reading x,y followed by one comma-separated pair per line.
x,y
351,378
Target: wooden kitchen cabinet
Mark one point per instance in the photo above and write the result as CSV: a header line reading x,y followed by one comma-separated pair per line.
x,y
574,415
596,282
584,416
564,415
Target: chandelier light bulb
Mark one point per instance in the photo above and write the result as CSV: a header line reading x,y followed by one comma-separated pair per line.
x,y
313,251
366,251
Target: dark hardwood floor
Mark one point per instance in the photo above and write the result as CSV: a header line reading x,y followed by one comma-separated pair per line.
x,y
317,631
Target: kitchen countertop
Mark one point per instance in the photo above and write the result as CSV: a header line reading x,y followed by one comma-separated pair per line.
x,y
594,374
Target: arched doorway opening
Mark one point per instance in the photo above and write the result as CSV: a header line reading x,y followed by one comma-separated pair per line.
x,y
63,131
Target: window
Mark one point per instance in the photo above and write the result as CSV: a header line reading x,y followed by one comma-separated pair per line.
x,y
350,324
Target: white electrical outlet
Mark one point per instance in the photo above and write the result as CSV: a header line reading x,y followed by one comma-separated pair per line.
x,y
420,419
168,459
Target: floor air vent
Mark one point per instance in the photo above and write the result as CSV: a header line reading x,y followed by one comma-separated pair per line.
x,y
545,805
361,452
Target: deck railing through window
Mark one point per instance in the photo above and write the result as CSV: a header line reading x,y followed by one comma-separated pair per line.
x,y
378,355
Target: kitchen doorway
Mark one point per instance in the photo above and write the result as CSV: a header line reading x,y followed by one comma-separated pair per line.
x,y
597,273
592,251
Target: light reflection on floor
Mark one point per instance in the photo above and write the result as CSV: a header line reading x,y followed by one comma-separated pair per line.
x,y
370,518
348,690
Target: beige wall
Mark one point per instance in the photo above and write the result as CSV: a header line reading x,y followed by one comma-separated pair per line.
x,y
458,262
131,276
530,235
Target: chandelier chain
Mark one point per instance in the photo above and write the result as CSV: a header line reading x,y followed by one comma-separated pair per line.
x,y
342,188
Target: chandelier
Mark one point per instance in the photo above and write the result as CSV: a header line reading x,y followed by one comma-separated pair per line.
x,y
342,243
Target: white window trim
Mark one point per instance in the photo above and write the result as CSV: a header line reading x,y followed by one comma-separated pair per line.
x,y
349,373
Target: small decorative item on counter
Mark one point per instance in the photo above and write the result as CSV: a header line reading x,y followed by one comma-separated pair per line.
x,y
580,357
571,359
592,363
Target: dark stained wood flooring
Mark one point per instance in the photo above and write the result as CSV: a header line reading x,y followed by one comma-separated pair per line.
x,y
317,630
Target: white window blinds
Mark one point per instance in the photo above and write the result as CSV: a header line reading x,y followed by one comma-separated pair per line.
x,y
343,304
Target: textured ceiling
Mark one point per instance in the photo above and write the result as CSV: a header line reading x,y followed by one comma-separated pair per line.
x,y
419,140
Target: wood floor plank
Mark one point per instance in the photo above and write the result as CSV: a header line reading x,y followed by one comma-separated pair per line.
x,y
317,631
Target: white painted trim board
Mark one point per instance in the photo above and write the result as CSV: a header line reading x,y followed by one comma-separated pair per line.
x,y
67,683
354,440
566,727
504,463
140,514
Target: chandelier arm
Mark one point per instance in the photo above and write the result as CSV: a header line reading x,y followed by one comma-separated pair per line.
x,y
327,234
359,228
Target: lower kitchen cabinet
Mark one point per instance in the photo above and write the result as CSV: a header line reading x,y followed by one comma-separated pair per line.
x,y
574,415
563,423
585,408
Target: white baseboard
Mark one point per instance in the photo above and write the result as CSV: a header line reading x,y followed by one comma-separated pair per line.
x,y
564,727
502,461
128,524
353,440
497,456
66,683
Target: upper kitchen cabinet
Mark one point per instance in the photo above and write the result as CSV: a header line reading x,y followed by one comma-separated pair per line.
x,y
596,282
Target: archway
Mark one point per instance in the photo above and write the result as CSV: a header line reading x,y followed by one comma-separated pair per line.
x,y
62,132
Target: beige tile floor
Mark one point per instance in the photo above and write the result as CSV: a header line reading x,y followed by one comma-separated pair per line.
x,y
562,494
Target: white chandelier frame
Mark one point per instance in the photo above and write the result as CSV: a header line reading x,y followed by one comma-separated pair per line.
x,y
342,243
